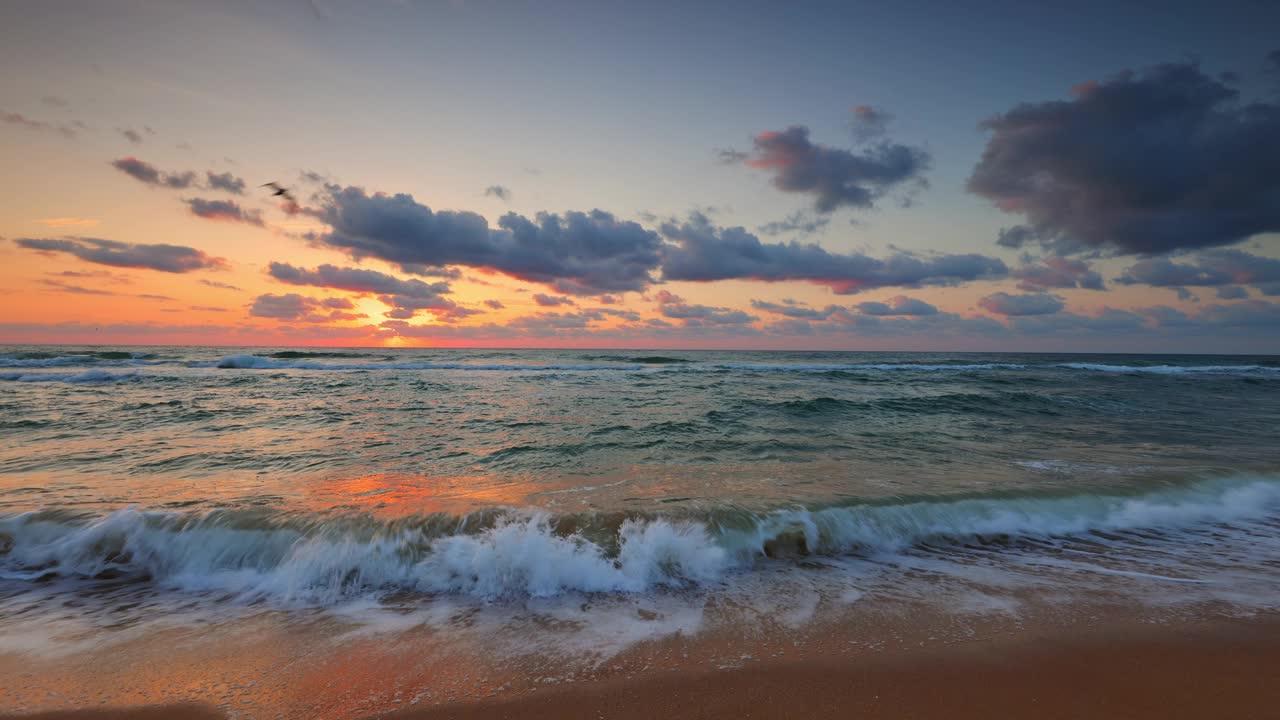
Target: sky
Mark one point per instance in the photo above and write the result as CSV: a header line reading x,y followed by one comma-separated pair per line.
x,y
1092,177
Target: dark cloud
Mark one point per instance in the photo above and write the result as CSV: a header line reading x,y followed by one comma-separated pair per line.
x,y
227,210
1147,162
552,300
1108,321
868,123
149,174
835,177
674,307
494,304
1211,268
162,257
76,289
1273,58
297,308
1003,303
224,181
704,253
577,253
407,296
219,285
1057,272
95,274
797,223
131,135
23,121
499,192
900,305
794,310
1232,292
206,308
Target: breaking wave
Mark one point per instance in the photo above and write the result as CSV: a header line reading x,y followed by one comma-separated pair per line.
x,y
500,552
1174,369
88,376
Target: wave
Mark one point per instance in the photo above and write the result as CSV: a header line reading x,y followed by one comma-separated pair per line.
x,y
88,376
1174,369
47,360
641,359
297,354
256,362
862,367
506,552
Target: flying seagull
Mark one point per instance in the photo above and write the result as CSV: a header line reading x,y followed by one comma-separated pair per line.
x,y
279,191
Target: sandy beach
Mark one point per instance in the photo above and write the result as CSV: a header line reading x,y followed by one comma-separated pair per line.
x,y
1197,669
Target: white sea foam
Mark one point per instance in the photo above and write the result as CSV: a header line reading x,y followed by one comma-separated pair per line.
x,y
523,555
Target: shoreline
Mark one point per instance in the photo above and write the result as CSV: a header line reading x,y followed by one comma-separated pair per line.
x,y
1222,668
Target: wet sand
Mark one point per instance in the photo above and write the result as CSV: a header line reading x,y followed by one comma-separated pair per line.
x,y
1216,669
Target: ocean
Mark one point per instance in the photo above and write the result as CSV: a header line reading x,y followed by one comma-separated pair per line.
x,y
530,503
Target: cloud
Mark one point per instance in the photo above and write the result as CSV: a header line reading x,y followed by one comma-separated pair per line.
x,y
1003,303
868,123
794,310
577,253
427,271
499,192
1108,321
131,135
705,253
23,121
297,308
798,223
162,257
68,222
226,210
406,296
1232,292
494,304
1146,162
834,177
149,174
224,181
76,289
551,300
900,305
1211,268
219,285
676,308
1057,272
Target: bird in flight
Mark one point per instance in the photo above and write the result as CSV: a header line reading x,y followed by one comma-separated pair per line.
x,y
278,190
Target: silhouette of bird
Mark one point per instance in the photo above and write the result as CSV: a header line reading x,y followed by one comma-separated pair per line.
x,y
278,190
